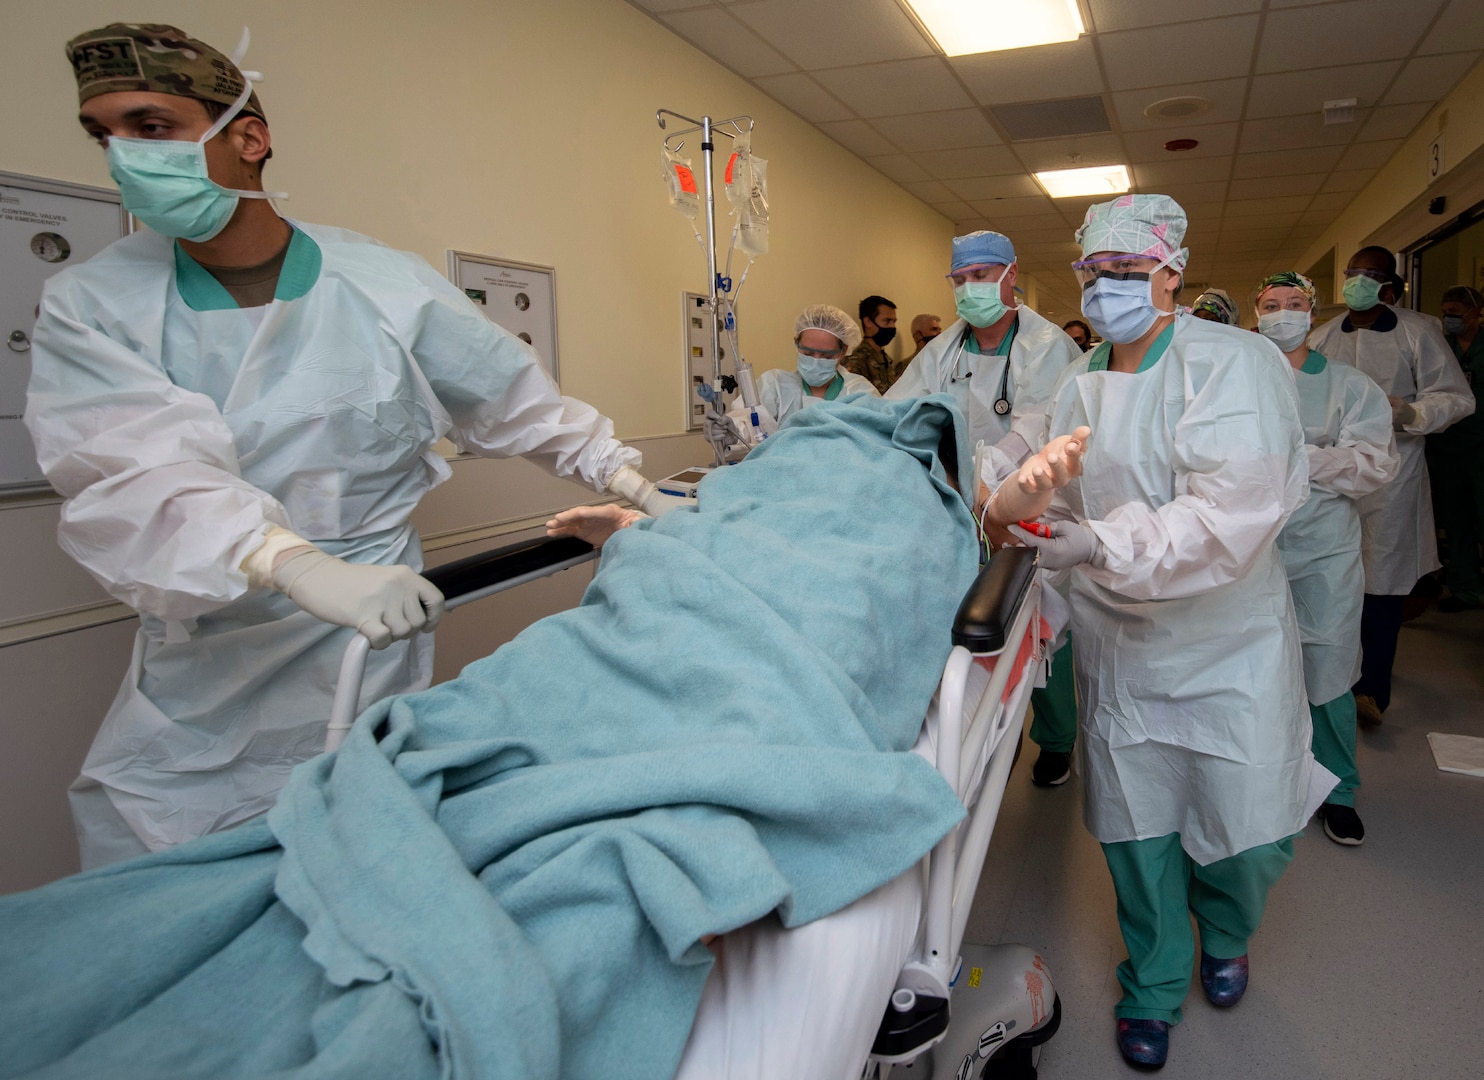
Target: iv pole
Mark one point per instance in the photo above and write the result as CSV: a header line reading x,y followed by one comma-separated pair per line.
x,y
720,431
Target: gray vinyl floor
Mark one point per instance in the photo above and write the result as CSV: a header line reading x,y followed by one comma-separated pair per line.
x,y
1370,960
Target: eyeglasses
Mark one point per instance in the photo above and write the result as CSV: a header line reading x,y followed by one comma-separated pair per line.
x,y
1117,267
1375,275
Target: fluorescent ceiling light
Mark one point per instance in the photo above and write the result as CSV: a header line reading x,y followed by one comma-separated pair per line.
x,y
962,27
1098,180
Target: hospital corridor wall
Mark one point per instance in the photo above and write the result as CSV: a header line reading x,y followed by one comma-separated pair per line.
x,y
519,131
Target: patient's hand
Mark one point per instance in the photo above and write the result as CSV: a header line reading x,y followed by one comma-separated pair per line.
x,y
595,524
1055,465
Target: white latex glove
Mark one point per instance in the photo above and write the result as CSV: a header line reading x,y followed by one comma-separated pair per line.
x,y
594,524
1402,413
1070,544
629,483
386,603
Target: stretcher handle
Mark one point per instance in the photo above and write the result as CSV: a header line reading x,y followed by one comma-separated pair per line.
x,y
989,607
461,582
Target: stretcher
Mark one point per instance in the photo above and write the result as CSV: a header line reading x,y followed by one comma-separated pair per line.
x,y
898,956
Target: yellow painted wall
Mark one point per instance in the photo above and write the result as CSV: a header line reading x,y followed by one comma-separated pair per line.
x,y
1460,116
524,130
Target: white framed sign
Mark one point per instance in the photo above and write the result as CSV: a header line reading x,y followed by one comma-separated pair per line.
x,y
516,296
45,226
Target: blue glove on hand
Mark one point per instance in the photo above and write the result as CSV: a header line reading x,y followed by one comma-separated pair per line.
x,y
1070,544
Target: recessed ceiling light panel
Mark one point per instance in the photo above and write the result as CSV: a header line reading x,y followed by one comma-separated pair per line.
x,y
1097,180
964,27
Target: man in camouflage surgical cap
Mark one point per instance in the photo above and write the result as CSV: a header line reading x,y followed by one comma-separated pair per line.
x,y
240,414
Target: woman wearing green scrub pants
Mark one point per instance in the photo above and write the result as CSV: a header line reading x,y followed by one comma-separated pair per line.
x,y
1194,731
1347,428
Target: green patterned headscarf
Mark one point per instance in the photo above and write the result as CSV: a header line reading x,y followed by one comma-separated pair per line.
x,y
1219,303
1294,280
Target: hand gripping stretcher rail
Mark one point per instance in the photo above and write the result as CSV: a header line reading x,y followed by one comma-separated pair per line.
x,y
1000,997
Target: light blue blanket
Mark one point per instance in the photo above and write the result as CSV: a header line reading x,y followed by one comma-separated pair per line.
x,y
508,876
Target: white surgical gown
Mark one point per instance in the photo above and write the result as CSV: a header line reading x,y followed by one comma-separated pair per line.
x,y
1189,677
180,429
1039,354
780,394
1347,431
1412,361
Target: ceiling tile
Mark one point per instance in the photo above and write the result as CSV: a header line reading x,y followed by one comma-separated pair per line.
x,y
669,5
816,34
720,36
858,137
1461,27
993,187
1149,146
1429,78
1225,96
1348,179
804,96
948,130
1332,200
955,209
1128,14
931,191
1177,169
1321,218
1394,121
1297,132
1070,153
995,209
1287,162
1269,208
1291,93
1303,184
1218,49
1050,221
896,88
1373,30
1039,74
976,161
898,167
1371,155
1189,195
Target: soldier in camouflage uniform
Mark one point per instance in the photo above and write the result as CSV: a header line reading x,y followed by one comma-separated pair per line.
x,y
869,359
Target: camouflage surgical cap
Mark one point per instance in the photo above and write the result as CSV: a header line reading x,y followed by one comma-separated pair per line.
x,y
156,58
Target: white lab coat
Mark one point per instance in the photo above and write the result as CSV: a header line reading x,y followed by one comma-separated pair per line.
x,y
179,437
1189,677
780,394
1398,541
1347,432
1039,355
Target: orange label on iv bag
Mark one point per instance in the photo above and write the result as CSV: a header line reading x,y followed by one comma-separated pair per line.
x,y
731,162
687,179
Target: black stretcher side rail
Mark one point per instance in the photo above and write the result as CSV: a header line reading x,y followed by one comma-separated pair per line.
x,y
476,572
989,607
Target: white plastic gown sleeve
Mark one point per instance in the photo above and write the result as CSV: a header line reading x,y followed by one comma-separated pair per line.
x,y
1360,455
780,394
1231,492
1041,352
156,509
1443,396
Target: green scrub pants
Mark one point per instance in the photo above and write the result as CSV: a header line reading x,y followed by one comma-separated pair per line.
x,y
1158,887
1334,745
1054,706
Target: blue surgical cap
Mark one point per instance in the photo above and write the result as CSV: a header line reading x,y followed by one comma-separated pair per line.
x,y
980,249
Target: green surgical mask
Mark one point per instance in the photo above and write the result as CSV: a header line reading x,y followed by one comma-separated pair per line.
x,y
979,303
1361,293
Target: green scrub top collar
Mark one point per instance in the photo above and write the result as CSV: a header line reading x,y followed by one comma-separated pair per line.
x,y
202,292
1313,363
836,385
1104,352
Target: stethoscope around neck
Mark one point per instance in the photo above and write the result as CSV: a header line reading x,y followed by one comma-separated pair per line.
x,y
1002,400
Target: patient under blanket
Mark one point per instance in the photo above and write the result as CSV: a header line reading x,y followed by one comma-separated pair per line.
x,y
509,875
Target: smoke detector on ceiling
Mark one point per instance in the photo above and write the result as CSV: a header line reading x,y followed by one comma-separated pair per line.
x,y
1339,111
1178,108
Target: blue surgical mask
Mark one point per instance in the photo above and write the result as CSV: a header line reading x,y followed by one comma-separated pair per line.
x,y
816,372
165,183
979,303
1361,293
1454,324
1122,310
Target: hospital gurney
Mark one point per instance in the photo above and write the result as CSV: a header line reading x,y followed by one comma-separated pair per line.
x,y
1001,997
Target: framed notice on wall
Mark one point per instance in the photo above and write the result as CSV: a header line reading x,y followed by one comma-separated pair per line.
x,y
516,296
45,226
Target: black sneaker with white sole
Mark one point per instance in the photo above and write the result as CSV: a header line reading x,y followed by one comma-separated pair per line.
x,y
1342,824
1051,769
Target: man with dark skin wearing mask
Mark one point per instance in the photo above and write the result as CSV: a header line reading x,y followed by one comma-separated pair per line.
x,y
869,359
1406,355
